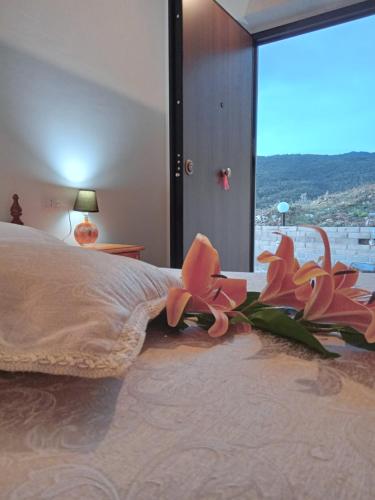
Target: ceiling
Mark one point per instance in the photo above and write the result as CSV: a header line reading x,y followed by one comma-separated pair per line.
x,y
259,15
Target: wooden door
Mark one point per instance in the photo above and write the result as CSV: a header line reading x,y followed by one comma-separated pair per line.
x,y
217,101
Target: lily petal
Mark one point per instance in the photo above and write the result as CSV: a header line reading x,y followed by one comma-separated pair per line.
x,y
344,280
275,276
233,289
242,327
320,299
220,327
296,266
370,332
303,292
177,301
354,293
345,311
327,265
201,263
266,257
285,251
197,305
307,272
280,287
285,295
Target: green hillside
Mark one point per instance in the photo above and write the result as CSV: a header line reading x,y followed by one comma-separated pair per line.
x,y
294,177
346,208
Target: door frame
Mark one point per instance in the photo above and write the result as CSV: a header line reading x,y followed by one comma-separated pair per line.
x,y
176,146
326,20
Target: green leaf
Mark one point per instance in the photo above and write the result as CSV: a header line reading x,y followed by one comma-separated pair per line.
x,y
355,338
251,297
277,322
236,320
251,304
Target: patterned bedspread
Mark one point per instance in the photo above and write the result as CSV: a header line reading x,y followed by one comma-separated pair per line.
x,y
243,417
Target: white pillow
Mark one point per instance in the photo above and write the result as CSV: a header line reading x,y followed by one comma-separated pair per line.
x,y
15,233
67,310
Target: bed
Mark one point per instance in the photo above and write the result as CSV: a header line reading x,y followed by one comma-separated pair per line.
x,y
247,416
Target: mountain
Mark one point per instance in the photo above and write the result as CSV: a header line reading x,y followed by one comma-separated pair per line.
x,y
293,178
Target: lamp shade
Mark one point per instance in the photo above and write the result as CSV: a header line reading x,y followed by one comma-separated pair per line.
x,y
283,207
86,201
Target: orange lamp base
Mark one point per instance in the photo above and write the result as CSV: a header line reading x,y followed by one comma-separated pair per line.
x,y
86,232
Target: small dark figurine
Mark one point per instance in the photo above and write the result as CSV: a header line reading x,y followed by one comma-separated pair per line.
x,y
16,211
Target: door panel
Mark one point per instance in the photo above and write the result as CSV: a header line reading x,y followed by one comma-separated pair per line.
x,y
217,130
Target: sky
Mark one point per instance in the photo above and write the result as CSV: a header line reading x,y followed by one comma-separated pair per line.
x,y
317,91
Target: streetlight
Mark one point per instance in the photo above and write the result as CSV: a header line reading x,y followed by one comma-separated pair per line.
x,y
283,208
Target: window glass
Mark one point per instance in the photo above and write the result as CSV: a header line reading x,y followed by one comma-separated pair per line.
x,y
316,141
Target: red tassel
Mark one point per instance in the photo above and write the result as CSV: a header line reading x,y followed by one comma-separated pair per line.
x,y
226,185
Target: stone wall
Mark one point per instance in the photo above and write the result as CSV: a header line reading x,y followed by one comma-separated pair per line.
x,y
345,244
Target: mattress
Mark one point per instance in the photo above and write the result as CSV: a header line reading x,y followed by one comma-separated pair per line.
x,y
247,416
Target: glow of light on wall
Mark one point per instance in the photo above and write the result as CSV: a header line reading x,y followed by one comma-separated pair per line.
x,y
75,171
75,154
76,163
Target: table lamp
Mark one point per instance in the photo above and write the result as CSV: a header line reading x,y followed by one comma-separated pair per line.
x,y
86,202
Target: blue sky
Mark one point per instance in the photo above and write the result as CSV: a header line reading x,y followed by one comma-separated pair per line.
x,y
317,91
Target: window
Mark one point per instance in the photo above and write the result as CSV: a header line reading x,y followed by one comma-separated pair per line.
x,y
316,141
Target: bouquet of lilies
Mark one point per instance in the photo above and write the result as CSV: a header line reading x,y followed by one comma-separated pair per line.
x,y
299,302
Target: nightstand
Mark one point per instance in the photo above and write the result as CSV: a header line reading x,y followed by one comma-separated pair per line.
x,y
132,251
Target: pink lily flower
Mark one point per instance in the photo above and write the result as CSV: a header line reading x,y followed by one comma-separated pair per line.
x,y
332,297
328,304
281,288
205,290
344,277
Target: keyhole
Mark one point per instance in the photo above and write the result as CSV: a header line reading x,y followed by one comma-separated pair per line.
x,y
221,105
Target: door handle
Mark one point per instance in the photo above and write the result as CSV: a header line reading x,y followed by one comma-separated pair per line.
x,y
226,172
189,167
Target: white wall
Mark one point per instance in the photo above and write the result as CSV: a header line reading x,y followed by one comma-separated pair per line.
x,y
84,103
345,243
